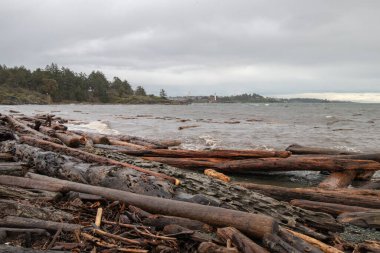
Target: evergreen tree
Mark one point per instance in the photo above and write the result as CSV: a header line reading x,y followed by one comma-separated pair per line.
x,y
140,91
163,93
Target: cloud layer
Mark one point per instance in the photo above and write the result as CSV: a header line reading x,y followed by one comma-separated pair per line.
x,y
202,47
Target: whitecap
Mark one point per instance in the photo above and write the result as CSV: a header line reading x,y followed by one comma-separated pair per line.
x,y
101,127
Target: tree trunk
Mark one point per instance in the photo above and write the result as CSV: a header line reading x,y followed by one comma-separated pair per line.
x,y
126,144
363,198
183,163
297,163
334,209
6,157
10,192
297,242
256,225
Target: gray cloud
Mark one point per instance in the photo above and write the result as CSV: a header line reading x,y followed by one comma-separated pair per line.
x,y
270,47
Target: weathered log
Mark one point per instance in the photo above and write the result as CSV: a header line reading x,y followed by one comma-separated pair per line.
x,y
334,209
363,198
276,245
33,195
184,163
256,225
7,157
372,157
338,180
242,242
13,169
10,207
88,157
214,174
70,139
297,243
13,221
209,247
367,219
160,221
11,249
233,154
124,143
297,163
303,150
322,246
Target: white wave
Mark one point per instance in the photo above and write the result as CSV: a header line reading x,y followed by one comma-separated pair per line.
x,y
93,127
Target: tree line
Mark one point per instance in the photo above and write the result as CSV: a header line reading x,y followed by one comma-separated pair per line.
x,y
63,84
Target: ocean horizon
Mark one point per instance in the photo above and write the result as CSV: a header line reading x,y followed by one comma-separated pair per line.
x,y
357,97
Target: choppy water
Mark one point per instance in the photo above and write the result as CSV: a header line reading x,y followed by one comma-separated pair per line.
x,y
345,126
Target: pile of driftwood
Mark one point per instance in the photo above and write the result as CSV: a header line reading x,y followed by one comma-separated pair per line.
x,y
74,191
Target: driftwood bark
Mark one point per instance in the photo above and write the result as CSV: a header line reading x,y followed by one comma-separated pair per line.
x,y
303,150
10,207
10,192
209,247
368,247
7,157
298,163
13,221
363,198
13,169
233,154
367,219
88,157
242,242
338,180
256,225
334,209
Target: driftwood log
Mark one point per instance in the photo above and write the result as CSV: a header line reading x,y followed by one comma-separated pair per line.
x,y
242,242
363,198
256,225
298,163
14,221
9,192
233,154
303,150
88,157
334,209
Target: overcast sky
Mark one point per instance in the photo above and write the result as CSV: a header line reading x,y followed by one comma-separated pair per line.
x,y
202,47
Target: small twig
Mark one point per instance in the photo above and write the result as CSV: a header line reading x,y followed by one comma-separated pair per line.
x,y
116,237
